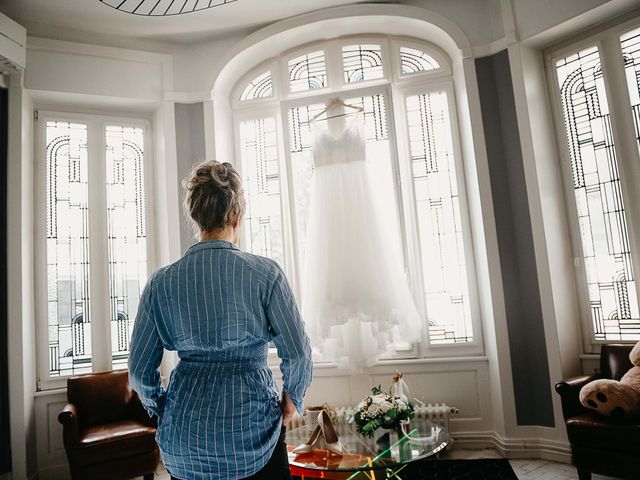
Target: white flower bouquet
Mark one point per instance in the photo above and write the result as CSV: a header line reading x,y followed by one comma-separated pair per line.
x,y
381,409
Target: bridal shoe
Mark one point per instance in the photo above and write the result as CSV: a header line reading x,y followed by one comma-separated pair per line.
x,y
313,439
331,440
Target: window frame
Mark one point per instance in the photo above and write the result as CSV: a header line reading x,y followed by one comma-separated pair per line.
x,y
271,66
101,351
414,265
266,111
395,87
626,147
283,69
385,52
438,54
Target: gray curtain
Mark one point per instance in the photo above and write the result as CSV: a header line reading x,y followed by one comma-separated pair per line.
x,y
525,326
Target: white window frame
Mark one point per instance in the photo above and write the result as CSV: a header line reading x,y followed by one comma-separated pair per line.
x,y
395,87
414,253
626,148
439,55
269,65
101,349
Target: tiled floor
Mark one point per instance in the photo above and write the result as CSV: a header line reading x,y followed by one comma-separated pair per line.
x,y
545,470
525,469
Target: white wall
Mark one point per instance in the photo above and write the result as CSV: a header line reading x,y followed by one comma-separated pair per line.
x,y
533,18
481,21
50,454
196,65
20,247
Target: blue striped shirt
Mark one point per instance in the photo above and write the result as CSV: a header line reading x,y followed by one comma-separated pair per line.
x,y
219,308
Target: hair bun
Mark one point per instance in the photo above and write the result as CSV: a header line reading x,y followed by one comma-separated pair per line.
x,y
214,195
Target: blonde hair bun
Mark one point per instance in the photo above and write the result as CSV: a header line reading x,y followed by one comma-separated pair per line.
x,y
214,198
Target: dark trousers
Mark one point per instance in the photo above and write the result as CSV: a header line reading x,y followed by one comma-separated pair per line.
x,y
277,468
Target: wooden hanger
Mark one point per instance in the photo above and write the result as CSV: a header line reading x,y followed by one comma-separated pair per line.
x,y
334,102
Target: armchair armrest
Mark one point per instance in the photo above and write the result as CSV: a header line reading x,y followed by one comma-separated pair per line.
x,y
68,417
569,391
140,413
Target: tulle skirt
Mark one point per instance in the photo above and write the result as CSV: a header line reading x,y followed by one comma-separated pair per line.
x,y
356,300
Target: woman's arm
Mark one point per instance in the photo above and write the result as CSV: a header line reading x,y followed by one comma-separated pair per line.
x,y
146,354
291,340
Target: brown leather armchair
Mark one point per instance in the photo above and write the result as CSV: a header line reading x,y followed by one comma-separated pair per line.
x,y
107,433
601,444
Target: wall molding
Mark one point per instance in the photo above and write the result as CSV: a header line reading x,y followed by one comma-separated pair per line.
x,y
54,472
515,447
100,52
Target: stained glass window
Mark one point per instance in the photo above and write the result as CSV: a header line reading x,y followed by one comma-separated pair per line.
x,y
444,272
598,195
630,43
362,62
301,143
308,72
414,61
127,233
67,246
259,87
261,177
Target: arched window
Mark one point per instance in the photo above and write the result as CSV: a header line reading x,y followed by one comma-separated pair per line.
x,y
406,90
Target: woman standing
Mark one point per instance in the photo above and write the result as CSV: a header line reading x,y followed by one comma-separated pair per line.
x,y
221,416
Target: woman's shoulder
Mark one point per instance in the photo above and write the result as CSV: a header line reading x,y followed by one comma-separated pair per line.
x,y
265,269
261,265
158,275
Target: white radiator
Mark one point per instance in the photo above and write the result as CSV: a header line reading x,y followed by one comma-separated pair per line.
x,y
438,413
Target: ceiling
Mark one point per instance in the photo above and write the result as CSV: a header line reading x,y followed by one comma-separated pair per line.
x,y
96,17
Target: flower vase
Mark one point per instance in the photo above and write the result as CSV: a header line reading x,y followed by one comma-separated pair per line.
x,y
386,437
384,440
404,448
391,442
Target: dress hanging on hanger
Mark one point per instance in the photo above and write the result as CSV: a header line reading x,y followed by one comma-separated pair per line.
x,y
356,301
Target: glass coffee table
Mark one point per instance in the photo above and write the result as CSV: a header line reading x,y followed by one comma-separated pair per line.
x,y
382,457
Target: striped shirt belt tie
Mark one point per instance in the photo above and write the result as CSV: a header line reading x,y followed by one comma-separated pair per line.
x,y
239,366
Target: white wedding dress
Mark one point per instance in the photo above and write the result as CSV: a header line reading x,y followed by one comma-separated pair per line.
x,y
356,301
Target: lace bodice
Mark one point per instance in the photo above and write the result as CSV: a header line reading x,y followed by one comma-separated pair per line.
x,y
347,146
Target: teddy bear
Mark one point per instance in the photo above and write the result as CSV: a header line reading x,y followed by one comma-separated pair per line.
x,y
616,398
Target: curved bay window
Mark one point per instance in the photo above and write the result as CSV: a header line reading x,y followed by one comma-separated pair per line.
x,y
404,88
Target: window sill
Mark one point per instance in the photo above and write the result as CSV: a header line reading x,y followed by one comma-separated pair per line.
x,y
419,361
52,391
327,367
275,362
